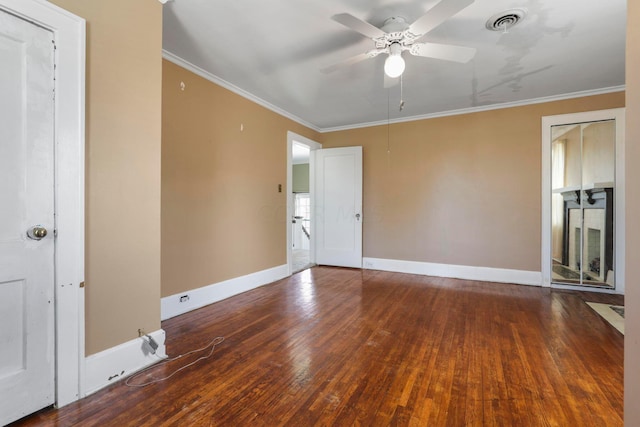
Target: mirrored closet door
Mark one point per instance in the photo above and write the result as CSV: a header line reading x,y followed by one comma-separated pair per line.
x,y
583,191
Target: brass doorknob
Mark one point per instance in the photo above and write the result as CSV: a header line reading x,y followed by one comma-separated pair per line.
x,y
37,232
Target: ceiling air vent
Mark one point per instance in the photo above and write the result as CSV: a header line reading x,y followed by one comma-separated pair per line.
x,y
504,20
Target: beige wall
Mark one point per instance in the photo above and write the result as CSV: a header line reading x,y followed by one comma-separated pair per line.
x,y
598,152
222,214
123,100
573,157
632,212
589,154
461,190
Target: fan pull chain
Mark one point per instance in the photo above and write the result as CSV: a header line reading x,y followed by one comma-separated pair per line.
x,y
401,100
388,123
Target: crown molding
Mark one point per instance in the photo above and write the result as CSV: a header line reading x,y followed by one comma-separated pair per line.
x,y
235,89
480,109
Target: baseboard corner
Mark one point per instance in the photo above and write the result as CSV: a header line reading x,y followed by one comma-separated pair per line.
x,y
113,364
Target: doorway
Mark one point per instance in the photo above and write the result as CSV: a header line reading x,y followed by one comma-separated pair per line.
x,y
301,221
583,197
300,188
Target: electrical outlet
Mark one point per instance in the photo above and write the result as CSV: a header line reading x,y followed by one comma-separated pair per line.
x,y
184,298
153,344
150,344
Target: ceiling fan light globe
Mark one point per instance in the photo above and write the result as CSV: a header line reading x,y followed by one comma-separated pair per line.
x,y
394,66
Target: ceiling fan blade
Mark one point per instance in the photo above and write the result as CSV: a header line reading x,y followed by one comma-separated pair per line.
x,y
447,52
358,25
390,81
353,60
437,15
345,63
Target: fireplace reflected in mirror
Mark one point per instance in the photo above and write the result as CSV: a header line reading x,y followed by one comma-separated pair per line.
x,y
583,187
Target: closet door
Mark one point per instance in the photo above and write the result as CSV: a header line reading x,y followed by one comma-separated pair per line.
x,y
583,203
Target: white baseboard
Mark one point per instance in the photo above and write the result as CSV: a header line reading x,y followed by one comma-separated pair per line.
x,y
484,274
171,306
112,365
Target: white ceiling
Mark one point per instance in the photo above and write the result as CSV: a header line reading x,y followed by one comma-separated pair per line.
x,y
273,51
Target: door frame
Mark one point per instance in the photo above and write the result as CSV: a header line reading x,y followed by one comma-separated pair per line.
x,y
313,145
69,109
617,114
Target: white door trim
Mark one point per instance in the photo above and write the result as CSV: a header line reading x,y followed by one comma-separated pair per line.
x,y
69,34
619,220
313,145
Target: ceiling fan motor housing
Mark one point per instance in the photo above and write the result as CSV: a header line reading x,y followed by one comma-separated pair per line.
x,y
397,31
395,24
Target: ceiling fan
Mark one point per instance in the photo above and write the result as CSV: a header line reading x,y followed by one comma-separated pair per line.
x,y
397,36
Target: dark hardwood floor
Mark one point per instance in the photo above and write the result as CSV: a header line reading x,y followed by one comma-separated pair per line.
x,y
341,347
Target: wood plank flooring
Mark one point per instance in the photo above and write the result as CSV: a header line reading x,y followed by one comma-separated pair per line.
x,y
342,347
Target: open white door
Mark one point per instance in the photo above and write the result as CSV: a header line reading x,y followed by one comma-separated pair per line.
x,y
338,206
26,218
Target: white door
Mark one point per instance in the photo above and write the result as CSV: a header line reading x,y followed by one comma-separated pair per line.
x,y
26,204
338,207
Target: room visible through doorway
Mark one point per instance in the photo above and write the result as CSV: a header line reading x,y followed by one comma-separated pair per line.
x,y
301,221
